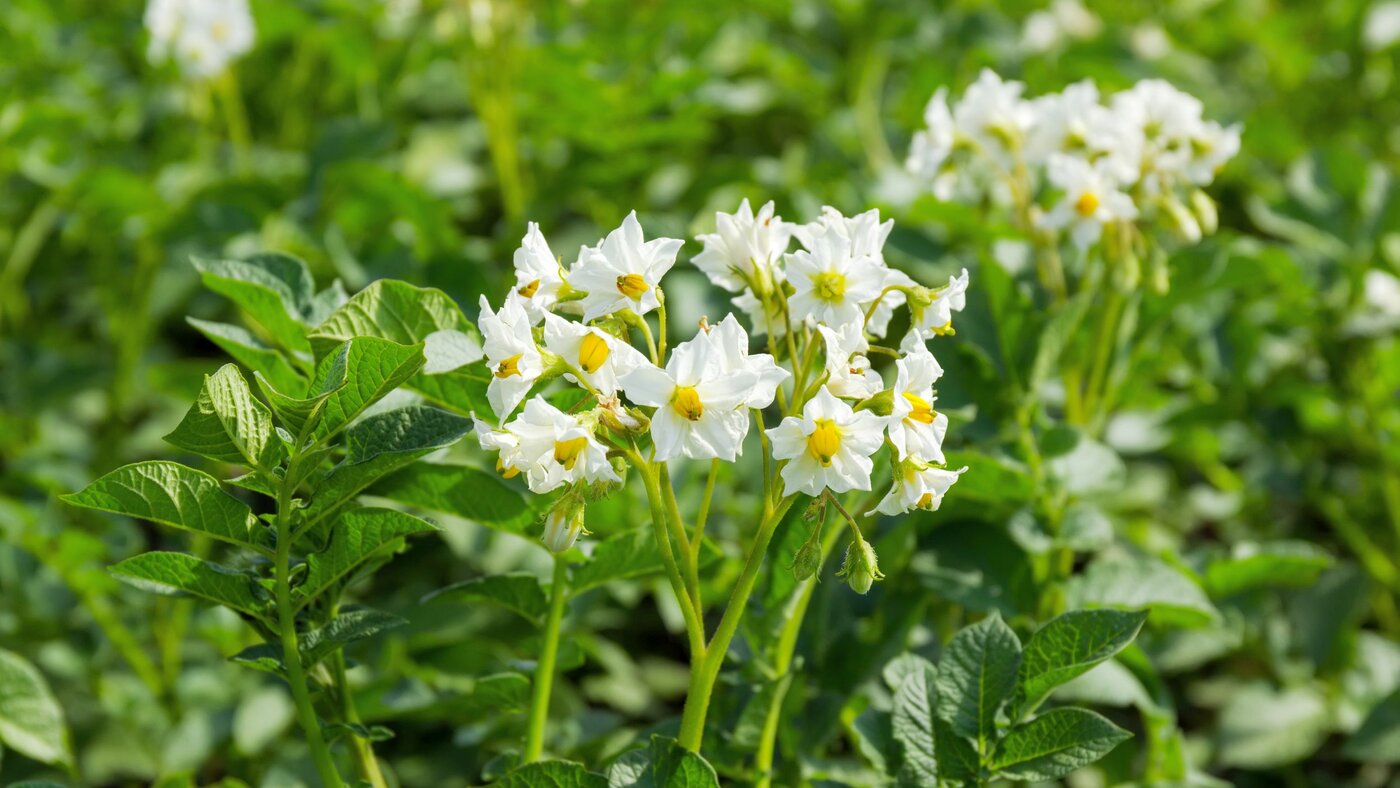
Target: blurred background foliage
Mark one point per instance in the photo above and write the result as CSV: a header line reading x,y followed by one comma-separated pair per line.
x,y
1247,488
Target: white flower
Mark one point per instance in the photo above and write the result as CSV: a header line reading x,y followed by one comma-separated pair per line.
x,y
932,148
557,449
1211,146
917,486
829,447
745,248
848,370
623,271
762,314
993,114
1091,200
506,446
599,356
831,283
1074,123
700,409
562,527
937,317
203,36
731,344
1381,292
511,355
1167,119
915,428
866,235
538,278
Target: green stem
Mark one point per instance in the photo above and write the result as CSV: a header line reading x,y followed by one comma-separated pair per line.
x,y
694,625
236,117
1104,339
363,751
287,631
544,669
703,676
27,245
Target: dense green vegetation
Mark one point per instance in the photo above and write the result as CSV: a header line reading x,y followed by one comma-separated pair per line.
x,y
240,360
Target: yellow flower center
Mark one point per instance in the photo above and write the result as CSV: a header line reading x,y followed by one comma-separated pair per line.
x,y
508,367
922,412
926,501
687,403
219,31
593,352
824,442
529,290
1087,204
506,471
944,330
632,286
566,453
829,286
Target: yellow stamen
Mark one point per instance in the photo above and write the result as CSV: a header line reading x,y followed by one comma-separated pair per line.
x,y
632,286
687,403
926,502
529,290
566,453
922,412
829,286
1087,204
824,442
506,471
593,352
944,330
508,367
219,31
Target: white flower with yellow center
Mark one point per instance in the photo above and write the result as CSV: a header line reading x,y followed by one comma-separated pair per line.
x,y
1091,200
538,277
506,446
828,447
203,36
993,114
623,271
599,357
917,485
511,355
848,372
745,248
731,345
937,317
700,407
866,235
831,283
557,449
915,428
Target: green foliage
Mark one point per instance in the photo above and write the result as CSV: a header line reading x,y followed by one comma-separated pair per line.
x,y
31,721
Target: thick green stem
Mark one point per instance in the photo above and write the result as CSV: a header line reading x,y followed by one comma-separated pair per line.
x,y
694,625
703,676
365,762
544,669
287,631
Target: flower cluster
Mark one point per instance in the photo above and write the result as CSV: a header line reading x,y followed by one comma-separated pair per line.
x,y
820,306
202,36
1074,163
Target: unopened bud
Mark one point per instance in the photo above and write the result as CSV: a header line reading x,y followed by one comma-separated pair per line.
x,y
1183,221
861,568
882,404
815,511
808,560
1204,208
563,525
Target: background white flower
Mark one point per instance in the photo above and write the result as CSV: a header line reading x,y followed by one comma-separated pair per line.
x,y
1091,199
203,36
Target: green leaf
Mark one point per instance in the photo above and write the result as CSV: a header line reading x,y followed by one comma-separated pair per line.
x,y
450,349
344,629
300,415
175,495
228,424
518,591
1068,646
1134,583
357,535
1264,728
915,703
393,310
372,368
976,675
1279,564
273,289
957,758
379,445
664,764
461,391
1378,738
463,491
265,657
629,554
552,774
175,573
1055,744
253,353
31,721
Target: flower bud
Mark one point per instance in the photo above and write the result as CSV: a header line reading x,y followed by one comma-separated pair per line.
x,y
808,559
1204,208
882,404
563,525
1182,221
815,511
861,568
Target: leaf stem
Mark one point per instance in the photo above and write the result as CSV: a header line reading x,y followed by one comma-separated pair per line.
x,y
362,749
544,669
287,632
